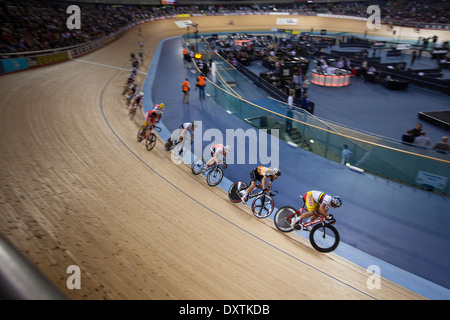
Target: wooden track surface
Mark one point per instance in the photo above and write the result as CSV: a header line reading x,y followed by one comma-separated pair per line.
x,y
78,189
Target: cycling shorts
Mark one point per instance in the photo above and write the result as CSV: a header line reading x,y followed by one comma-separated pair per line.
x,y
254,175
310,204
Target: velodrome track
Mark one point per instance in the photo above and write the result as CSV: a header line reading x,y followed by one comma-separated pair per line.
x,y
77,189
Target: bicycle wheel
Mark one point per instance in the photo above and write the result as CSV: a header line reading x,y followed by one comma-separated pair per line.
x,y
178,152
262,206
235,188
214,176
197,166
150,142
281,219
169,144
132,113
139,136
324,237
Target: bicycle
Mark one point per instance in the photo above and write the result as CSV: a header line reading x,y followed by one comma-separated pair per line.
x,y
215,172
149,136
324,237
132,110
177,146
262,205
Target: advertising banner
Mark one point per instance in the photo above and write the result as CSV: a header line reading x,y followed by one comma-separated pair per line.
x,y
10,65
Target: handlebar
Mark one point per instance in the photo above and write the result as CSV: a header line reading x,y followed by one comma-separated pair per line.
x,y
331,220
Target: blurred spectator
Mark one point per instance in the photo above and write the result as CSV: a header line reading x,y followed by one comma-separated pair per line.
x,y
408,137
422,140
442,145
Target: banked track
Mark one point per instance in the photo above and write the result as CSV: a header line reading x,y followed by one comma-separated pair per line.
x,y
77,189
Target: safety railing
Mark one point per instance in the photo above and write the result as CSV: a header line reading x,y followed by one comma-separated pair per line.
x,y
421,168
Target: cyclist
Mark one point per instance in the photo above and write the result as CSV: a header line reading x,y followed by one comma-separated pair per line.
x,y
185,127
216,150
151,119
261,174
160,108
138,101
317,203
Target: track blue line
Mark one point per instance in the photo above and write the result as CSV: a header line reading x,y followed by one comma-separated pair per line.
x,y
196,201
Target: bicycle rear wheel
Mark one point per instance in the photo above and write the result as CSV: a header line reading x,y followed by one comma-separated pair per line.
x,y
324,237
235,188
262,206
197,166
281,219
150,142
214,176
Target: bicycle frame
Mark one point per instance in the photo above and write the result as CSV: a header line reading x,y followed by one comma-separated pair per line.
x,y
254,195
320,219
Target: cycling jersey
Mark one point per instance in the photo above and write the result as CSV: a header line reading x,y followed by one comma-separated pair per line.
x,y
148,117
188,126
313,199
220,148
259,172
139,99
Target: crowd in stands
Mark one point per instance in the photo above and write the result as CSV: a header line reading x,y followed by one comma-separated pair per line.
x,y
32,25
40,25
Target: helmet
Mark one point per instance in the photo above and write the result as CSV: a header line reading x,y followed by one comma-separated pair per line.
x,y
141,94
161,105
276,171
337,201
227,149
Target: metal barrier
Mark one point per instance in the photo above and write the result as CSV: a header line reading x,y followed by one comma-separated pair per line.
x,y
20,280
420,168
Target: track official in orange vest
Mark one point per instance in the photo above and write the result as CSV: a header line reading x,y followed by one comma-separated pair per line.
x,y
185,87
201,83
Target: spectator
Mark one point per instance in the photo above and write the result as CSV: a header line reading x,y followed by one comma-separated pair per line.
x,y
422,140
417,129
345,157
290,115
442,145
305,103
408,137
305,84
413,57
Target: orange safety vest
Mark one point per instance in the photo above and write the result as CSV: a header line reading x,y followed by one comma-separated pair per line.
x,y
185,86
201,81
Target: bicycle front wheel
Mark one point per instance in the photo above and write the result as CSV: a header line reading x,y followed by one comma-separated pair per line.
x,y
235,188
178,152
132,113
324,237
214,176
262,206
283,217
197,166
150,142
